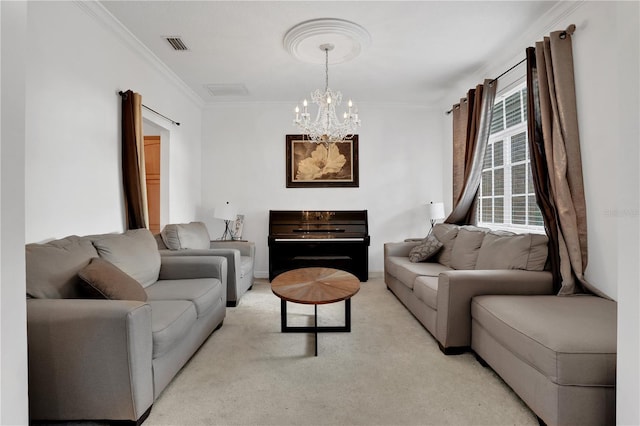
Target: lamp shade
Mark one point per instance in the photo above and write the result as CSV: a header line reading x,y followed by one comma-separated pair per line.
x,y
436,210
225,211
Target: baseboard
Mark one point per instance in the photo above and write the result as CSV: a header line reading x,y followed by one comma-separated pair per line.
x,y
138,422
265,274
261,274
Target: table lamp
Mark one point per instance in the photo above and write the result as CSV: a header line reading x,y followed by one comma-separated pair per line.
x,y
227,213
436,211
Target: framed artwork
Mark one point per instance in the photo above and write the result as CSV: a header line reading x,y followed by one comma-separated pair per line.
x,y
237,227
320,165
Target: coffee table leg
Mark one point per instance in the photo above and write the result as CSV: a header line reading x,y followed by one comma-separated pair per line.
x,y
283,315
347,315
285,328
315,326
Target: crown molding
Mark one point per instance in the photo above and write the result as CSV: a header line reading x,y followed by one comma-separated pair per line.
x,y
538,29
514,51
209,106
97,11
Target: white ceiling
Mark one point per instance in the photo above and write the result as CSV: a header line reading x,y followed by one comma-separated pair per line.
x,y
418,48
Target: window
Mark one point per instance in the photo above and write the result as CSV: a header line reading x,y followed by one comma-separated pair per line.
x,y
506,198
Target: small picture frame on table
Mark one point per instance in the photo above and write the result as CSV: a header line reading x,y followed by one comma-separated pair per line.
x,y
237,227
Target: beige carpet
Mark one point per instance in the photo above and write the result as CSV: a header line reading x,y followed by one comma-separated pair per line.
x,y
387,371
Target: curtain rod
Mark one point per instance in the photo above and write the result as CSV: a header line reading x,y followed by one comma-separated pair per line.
x,y
570,29
495,79
121,93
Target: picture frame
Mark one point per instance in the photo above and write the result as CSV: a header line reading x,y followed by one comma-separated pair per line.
x,y
237,227
307,164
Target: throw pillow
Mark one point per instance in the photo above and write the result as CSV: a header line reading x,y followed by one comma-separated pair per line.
x,y
105,279
425,250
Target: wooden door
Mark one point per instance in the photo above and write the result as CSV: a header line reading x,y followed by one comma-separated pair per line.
x,y
152,166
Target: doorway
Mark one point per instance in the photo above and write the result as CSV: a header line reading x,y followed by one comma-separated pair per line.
x,y
156,154
152,170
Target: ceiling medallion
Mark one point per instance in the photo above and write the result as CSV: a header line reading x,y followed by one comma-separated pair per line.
x,y
348,38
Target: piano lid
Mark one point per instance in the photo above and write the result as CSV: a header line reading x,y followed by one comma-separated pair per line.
x,y
303,224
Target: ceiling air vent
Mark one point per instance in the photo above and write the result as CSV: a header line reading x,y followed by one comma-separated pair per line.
x,y
227,89
176,43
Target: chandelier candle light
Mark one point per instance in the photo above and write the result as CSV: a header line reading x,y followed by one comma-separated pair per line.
x,y
327,128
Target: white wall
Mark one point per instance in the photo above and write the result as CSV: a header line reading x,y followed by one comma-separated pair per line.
x,y
13,331
60,147
243,162
627,207
606,57
76,65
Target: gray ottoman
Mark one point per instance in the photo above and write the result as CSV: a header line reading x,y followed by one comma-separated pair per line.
x,y
557,353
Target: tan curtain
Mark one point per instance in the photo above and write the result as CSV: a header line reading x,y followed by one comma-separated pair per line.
x,y
133,171
461,123
480,103
555,113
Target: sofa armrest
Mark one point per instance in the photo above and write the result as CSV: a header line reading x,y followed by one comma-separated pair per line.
x,y
173,267
456,288
232,256
89,359
399,249
246,248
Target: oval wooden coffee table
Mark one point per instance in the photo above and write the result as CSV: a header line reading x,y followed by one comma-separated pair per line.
x,y
315,286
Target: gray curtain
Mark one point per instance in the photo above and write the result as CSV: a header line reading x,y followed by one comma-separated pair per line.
x,y
555,116
480,105
133,170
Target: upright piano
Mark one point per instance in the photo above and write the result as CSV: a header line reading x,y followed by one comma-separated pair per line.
x,y
334,239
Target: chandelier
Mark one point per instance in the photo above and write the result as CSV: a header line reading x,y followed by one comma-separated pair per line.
x,y
327,127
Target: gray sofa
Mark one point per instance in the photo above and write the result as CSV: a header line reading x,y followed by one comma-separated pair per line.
x,y
97,358
472,261
192,239
488,291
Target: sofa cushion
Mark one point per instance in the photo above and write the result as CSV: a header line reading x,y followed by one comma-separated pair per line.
x,y
466,247
171,321
406,271
107,281
569,339
205,293
193,235
502,250
52,268
135,252
425,250
445,233
425,288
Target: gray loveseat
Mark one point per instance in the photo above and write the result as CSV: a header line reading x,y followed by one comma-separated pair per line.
x,y
192,239
472,261
104,359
